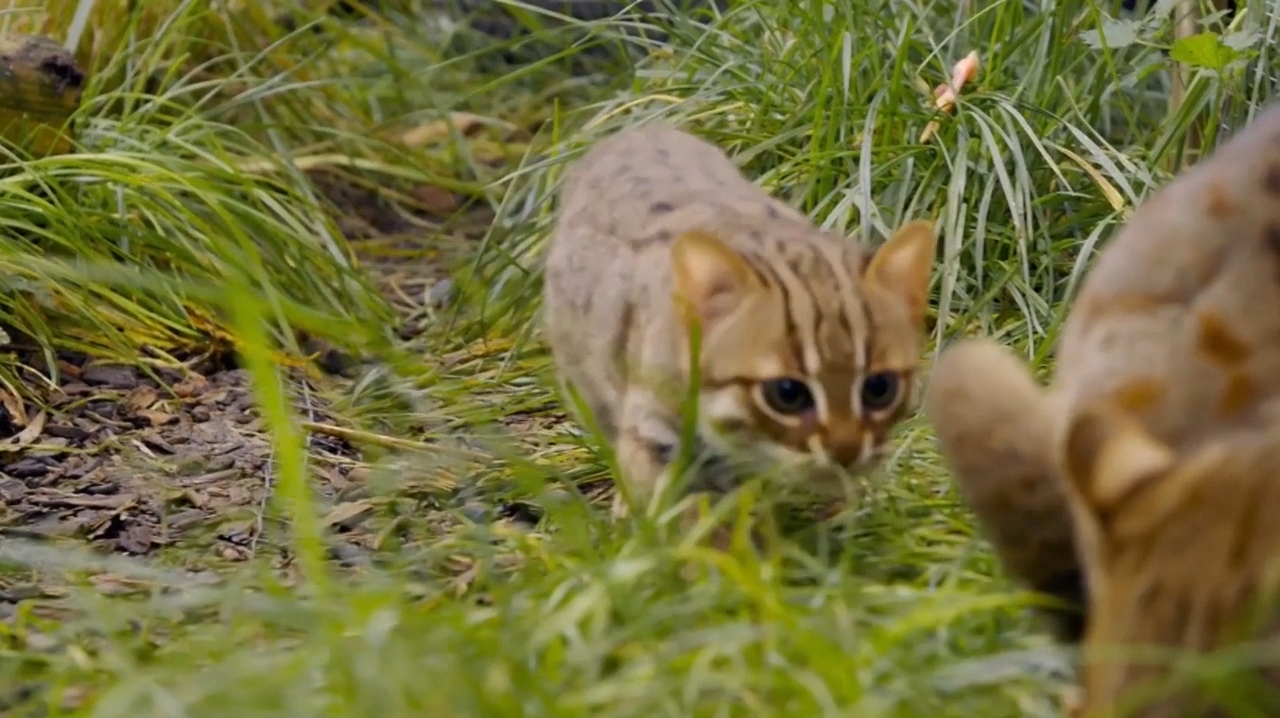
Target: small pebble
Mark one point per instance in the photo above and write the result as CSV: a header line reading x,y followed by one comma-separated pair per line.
x,y
441,293
104,409
12,490
113,375
183,519
28,468
476,511
73,433
234,553
348,554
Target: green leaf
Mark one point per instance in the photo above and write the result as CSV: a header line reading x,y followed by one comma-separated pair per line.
x,y
1115,33
1204,50
1242,39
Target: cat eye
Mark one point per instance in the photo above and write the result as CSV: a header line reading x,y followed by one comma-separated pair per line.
x,y
879,391
787,396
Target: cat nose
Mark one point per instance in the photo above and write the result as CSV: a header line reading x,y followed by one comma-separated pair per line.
x,y
845,447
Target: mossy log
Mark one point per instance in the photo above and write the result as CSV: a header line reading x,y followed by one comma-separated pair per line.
x,y
40,88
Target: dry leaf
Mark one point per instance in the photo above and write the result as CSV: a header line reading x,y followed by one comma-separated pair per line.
x,y
945,96
435,200
136,539
1114,198
27,435
963,72
929,130
69,369
192,385
195,498
141,398
346,513
109,584
13,405
466,123
157,418
115,502
462,582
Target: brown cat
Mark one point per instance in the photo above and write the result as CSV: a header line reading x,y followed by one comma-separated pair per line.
x,y
1176,327
1182,552
809,341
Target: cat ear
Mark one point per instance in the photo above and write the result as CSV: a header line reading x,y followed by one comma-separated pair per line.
x,y
1109,453
711,279
903,265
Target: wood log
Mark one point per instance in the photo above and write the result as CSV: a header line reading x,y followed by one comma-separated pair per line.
x,y
40,88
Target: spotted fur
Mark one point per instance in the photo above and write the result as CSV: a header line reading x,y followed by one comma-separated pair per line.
x,y
1177,328
659,231
1182,553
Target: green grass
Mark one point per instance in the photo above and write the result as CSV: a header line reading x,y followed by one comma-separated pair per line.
x,y
190,220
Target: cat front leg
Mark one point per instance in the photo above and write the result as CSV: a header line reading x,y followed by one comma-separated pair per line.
x,y
644,448
646,465
641,465
647,452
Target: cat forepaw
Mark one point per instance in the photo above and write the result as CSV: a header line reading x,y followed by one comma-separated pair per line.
x,y
619,510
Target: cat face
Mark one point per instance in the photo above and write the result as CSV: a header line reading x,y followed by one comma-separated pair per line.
x,y
1178,549
809,350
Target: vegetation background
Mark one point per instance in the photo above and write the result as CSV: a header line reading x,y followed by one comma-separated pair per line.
x,y
280,436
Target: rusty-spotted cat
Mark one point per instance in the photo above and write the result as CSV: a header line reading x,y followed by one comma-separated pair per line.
x,y
809,341
1168,362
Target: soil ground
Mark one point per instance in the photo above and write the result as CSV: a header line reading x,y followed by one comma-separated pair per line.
x,y
175,467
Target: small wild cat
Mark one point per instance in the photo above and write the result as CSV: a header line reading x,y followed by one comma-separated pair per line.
x,y
1181,551
1178,323
1177,329
1176,548
809,342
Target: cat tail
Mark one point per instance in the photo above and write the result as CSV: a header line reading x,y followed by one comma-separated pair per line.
x,y
997,431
